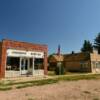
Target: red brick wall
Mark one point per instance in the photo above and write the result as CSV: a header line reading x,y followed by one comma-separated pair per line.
x,y
0,53
20,46
72,62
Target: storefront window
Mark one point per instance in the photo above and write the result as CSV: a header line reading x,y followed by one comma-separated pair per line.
x,y
12,63
38,63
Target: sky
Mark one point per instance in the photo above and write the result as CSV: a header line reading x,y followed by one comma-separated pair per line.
x,y
51,22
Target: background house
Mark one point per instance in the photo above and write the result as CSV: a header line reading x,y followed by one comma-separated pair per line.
x,y
77,62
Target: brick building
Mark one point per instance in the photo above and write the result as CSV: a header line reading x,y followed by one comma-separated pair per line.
x,y
22,58
79,62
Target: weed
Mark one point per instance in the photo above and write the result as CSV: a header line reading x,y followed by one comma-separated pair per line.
x,y
96,99
87,92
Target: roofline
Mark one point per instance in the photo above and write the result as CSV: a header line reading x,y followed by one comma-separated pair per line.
x,y
25,42
77,53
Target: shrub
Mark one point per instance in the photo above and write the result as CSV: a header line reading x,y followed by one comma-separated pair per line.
x,y
59,70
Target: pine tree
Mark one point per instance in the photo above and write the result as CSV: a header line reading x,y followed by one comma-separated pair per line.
x,y
97,42
87,47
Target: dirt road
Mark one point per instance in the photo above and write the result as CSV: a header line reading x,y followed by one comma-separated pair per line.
x,y
73,90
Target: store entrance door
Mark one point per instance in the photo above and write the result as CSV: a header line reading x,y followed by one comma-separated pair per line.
x,y
25,66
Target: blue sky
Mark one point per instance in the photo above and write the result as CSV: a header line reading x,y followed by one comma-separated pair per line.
x,y
51,22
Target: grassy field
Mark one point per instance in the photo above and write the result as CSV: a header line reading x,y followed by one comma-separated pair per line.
x,y
8,85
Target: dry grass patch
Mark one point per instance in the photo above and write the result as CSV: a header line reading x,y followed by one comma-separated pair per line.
x,y
7,85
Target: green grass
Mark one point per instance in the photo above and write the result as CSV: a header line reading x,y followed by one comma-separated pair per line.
x,y
31,99
51,73
36,83
9,84
78,77
23,86
5,88
96,98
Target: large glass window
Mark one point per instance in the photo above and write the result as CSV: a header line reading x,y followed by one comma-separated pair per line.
x,y
38,63
12,63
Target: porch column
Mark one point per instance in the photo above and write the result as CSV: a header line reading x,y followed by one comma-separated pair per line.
x,y
20,65
45,63
33,66
28,67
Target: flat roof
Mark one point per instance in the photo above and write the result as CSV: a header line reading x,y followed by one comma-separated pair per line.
x,y
24,42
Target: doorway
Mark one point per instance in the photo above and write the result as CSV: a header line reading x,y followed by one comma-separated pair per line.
x,y
26,66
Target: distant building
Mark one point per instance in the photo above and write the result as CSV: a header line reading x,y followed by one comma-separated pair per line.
x,y
78,62
22,58
54,60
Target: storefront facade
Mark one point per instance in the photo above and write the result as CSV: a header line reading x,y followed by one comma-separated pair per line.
x,y
22,59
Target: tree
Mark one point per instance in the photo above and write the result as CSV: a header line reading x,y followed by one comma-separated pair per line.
x,y
87,47
72,52
97,42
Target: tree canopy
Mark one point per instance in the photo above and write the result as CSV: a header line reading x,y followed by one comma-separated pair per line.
x,y
87,46
97,42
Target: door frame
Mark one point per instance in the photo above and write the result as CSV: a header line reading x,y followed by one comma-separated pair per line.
x,y
25,71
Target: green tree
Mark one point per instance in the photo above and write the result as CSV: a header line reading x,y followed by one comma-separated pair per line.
x,y
87,46
97,42
72,52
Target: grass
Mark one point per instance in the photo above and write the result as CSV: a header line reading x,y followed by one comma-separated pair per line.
x,y
96,99
51,73
8,85
5,88
36,83
79,77
31,99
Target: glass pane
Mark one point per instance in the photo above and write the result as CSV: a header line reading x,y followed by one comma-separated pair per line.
x,y
12,63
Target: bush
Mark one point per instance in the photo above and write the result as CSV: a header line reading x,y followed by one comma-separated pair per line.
x,y
59,70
